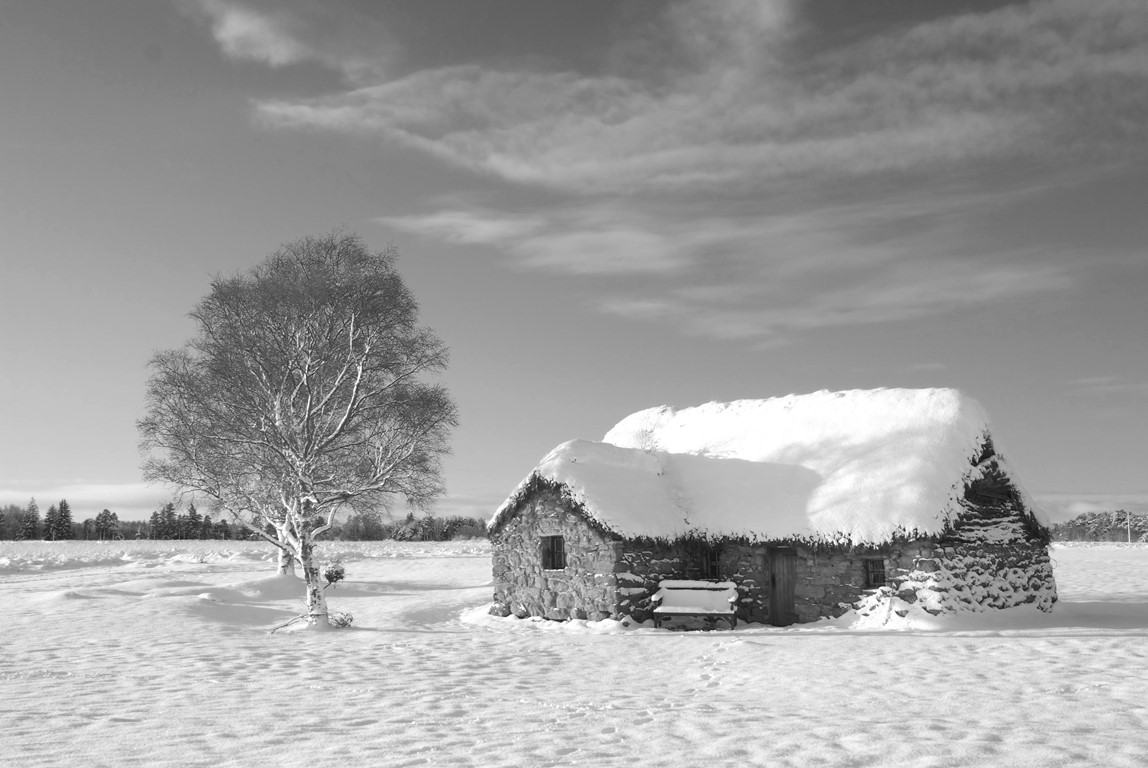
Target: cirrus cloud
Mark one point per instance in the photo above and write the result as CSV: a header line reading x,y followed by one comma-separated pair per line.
x,y
335,34
244,33
731,175
752,105
755,278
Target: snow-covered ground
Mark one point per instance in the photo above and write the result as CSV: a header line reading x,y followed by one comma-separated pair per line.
x,y
156,653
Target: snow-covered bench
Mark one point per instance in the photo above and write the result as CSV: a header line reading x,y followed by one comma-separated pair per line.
x,y
704,599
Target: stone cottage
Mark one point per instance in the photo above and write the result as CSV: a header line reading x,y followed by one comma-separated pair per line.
x,y
887,501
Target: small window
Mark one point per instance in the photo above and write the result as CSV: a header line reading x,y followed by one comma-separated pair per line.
x,y
874,573
710,558
553,553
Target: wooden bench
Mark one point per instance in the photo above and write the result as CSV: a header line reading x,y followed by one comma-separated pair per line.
x,y
700,599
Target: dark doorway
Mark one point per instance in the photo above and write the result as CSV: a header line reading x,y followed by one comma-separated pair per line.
x,y
782,579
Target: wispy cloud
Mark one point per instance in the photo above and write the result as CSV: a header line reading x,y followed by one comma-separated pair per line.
x,y
901,293
742,107
1109,387
587,240
244,33
738,277
705,181
334,34
468,226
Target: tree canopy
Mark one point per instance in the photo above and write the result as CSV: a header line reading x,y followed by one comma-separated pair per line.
x,y
305,391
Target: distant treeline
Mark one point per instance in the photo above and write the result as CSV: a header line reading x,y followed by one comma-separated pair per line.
x,y
26,523
168,523
1103,526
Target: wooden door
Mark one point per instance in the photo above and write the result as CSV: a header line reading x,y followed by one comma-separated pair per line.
x,y
782,579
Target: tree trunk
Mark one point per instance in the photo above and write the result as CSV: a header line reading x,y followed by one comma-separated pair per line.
x,y
286,562
316,600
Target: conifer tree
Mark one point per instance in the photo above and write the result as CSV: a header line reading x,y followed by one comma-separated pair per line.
x,y
190,523
64,520
169,522
31,523
51,522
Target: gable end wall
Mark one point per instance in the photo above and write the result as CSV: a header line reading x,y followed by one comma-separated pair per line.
x,y
585,589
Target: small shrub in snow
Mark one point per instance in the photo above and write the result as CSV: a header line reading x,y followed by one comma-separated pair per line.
x,y
335,620
334,573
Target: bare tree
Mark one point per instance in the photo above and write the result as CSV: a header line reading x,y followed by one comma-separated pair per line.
x,y
303,393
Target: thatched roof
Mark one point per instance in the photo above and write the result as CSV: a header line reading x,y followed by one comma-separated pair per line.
x,y
861,466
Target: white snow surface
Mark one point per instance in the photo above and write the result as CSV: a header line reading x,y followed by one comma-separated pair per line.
x,y
860,465
689,596
156,655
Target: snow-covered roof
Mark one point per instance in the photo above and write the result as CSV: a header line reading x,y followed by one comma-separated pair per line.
x,y
862,465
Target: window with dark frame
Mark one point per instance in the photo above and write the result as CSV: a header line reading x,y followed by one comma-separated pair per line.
x,y
874,573
553,553
709,563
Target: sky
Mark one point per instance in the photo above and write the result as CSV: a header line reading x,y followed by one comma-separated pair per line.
x,y
600,206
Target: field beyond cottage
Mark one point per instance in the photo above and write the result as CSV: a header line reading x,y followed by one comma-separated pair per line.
x,y
156,653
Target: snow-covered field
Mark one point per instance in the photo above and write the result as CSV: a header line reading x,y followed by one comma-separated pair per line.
x,y
157,653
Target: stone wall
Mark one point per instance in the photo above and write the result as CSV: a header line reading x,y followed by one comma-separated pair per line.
x,y
827,584
642,566
747,565
937,576
585,589
647,563
934,575
950,577
830,582
992,558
